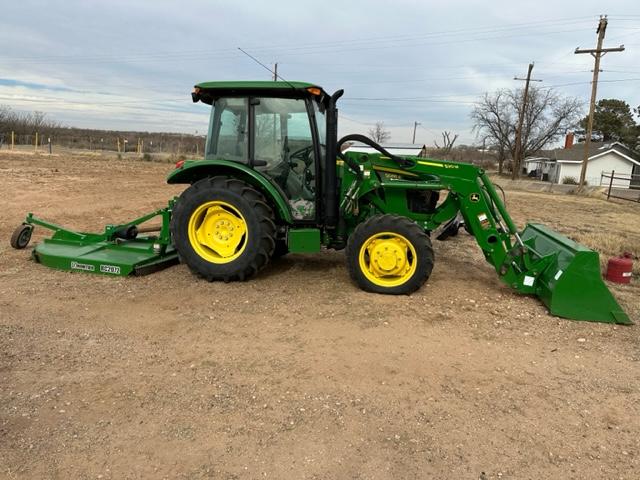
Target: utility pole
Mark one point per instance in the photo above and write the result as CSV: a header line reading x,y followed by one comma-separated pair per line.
x,y
275,72
415,125
596,53
517,161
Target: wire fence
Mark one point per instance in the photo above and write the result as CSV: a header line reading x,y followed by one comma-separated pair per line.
x,y
623,186
145,143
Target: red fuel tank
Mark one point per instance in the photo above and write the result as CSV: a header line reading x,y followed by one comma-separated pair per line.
x,y
619,268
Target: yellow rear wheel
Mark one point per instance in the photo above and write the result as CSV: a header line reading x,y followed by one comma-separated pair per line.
x,y
223,229
218,232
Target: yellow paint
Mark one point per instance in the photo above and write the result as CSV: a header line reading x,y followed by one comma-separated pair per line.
x,y
217,232
431,164
388,259
440,165
393,170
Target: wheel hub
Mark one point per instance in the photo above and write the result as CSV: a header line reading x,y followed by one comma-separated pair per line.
x,y
388,259
217,231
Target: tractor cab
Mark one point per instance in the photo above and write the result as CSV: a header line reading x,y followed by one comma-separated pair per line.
x,y
275,128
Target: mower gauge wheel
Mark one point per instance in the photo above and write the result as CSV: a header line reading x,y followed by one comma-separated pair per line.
x,y
21,236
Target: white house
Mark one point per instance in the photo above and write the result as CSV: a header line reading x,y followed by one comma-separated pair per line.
x,y
604,157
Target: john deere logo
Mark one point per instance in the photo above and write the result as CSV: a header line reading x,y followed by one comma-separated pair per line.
x,y
474,197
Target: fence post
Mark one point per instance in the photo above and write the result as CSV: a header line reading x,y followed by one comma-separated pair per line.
x,y
610,184
49,142
36,144
13,139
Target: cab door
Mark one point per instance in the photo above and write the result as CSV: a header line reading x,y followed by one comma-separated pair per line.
x,y
284,150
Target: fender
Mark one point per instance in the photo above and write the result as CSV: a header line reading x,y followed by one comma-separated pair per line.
x,y
193,170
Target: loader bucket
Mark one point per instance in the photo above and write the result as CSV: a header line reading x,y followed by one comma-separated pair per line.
x,y
572,285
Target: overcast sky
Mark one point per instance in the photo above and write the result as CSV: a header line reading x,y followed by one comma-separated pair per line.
x,y
131,64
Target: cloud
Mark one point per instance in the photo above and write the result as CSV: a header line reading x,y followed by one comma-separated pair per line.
x,y
131,64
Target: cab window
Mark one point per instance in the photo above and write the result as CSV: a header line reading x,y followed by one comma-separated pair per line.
x,y
228,132
284,151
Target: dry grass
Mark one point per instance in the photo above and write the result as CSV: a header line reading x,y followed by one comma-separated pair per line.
x,y
610,228
611,245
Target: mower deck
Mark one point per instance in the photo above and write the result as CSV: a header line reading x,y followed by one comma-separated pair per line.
x,y
124,257
120,250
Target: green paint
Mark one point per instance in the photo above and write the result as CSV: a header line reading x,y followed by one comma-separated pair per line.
x,y
563,274
248,86
106,258
572,286
303,240
578,293
107,253
194,170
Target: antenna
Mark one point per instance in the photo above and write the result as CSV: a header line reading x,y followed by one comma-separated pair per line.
x,y
275,75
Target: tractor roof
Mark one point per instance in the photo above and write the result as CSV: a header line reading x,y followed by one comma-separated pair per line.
x,y
206,91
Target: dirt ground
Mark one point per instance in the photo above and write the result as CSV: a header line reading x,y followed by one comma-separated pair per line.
x,y
298,374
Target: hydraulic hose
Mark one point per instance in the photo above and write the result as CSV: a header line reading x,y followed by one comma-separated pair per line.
x,y
355,137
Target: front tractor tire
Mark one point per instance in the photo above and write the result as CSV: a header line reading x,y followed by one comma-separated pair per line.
x,y
389,254
223,229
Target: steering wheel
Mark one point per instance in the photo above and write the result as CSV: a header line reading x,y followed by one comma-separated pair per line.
x,y
305,178
303,154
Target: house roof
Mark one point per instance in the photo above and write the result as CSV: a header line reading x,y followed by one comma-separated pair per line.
x,y
537,159
576,153
596,149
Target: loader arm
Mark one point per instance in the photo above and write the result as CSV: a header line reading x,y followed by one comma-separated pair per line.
x,y
563,274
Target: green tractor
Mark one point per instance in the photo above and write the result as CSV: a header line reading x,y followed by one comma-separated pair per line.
x,y
275,180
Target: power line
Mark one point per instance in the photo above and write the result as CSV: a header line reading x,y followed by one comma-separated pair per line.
x,y
317,48
460,32
401,99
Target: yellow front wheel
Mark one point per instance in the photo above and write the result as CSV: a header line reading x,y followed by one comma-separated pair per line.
x,y
389,254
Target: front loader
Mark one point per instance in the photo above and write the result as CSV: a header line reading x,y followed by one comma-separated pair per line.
x,y
274,180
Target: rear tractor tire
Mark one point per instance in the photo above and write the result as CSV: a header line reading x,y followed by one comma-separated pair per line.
x,y
389,254
223,229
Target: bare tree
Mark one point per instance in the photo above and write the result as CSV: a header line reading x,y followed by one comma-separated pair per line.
x,y
447,142
379,134
547,116
24,123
